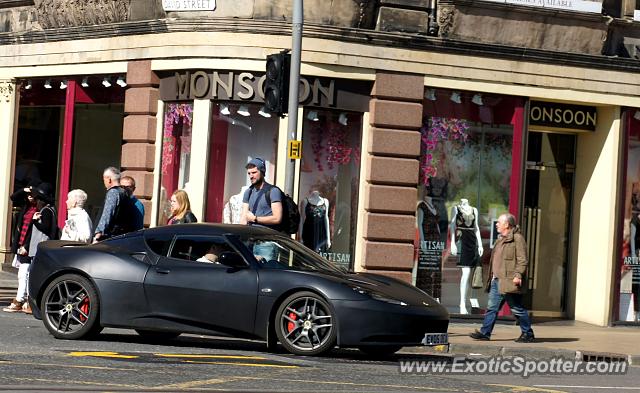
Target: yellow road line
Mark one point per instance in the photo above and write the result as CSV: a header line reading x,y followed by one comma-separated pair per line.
x,y
244,364
439,389
102,355
177,355
192,384
517,388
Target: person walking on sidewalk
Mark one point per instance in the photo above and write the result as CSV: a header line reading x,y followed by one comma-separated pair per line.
x,y
507,269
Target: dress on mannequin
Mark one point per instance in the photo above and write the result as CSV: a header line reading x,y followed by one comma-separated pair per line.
x,y
635,268
429,274
466,231
315,228
232,212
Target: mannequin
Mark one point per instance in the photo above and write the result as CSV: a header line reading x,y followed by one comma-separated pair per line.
x,y
429,275
464,225
635,268
233,209
315,222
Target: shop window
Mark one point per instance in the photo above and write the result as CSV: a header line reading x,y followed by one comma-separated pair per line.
x,y
239,132
176,154
329,181
629,266
464,185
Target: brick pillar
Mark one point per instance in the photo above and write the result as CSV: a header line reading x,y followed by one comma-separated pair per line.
x,y
8,140
392,174
139,130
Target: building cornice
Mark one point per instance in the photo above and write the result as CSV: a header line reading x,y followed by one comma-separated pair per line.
x,y
15,3
343,34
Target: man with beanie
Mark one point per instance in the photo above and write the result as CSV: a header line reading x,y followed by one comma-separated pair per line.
x,y
260,209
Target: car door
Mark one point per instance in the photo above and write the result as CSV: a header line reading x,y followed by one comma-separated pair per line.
x,y
201,294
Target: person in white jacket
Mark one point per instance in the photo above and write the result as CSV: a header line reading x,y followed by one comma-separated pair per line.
x,y
78,226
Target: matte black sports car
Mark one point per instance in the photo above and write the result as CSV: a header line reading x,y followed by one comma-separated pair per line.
x,y
227,280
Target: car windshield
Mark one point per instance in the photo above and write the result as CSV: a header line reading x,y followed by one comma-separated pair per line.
x,y
280,252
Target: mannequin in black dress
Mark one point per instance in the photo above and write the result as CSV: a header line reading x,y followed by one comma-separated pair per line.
x,y
464,225
315,225
428,278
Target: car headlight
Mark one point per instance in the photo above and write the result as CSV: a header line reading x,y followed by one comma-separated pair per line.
x,y
379,297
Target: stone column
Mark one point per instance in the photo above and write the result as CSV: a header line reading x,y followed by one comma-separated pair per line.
x,y
139,130
8,112
392,174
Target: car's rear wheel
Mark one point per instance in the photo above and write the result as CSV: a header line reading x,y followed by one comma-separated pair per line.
x,y
155,335
70,307
380,350
305,324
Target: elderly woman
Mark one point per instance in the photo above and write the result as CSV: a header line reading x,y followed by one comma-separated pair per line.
x,y
78,224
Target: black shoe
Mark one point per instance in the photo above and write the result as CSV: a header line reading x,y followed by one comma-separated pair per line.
x,y
479,336
525,338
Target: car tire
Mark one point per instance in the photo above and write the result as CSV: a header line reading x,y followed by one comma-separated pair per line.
x,y
70,308
380,350
306,324
156,335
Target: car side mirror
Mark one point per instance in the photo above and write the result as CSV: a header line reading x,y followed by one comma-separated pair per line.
x,y
232,259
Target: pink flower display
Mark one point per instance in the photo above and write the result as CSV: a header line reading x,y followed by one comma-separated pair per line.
x,y
176,114
438,129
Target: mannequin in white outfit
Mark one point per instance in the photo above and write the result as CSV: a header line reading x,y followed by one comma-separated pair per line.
x,y
464,227
232,211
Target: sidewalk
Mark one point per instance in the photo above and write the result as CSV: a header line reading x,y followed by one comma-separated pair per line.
x,y
569,339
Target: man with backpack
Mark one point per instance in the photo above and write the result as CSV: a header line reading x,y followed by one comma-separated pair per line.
x,y
261,206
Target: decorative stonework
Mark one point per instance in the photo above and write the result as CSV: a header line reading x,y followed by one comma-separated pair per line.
x,y
445,19
6,91
68,13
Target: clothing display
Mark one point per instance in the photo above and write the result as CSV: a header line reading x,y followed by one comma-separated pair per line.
x,y
466,227
429,272
232,212
315,233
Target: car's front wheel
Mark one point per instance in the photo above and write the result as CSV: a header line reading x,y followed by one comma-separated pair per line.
x,y
70,307
305,324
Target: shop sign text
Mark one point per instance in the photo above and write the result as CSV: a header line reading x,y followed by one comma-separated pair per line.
x,y
245,86
551,115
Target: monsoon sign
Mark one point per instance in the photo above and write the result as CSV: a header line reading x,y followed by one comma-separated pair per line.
x,y
555,116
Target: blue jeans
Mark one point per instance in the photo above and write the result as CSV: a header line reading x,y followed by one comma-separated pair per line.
x,y
265,249
496,300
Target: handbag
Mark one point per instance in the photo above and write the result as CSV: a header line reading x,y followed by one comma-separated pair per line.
x,y
15,263
37,237
476,280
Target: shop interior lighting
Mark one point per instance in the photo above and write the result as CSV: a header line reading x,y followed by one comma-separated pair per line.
x,y
455,97
224,109
63,84
28,86
121,81
637,115
477,99
343,119
85,82
430,94
263,112
106,82
313,116
47,84
244,111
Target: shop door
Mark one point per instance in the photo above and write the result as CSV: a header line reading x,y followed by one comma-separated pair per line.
x,y
546,219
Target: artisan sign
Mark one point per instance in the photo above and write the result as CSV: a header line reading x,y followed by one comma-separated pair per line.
x,y
594,6
189,5
554,116
249,86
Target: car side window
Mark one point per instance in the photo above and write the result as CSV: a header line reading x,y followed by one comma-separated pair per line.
x,y
205,249
159,244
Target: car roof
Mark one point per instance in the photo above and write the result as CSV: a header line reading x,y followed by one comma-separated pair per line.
x,y
209,229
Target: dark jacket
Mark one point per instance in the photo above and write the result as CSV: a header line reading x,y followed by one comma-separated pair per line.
x,y
186,219
117,214
19,199
514,262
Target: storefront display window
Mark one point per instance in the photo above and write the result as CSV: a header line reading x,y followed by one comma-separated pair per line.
x,y
629,268
329,181
176,154
464,185
239,132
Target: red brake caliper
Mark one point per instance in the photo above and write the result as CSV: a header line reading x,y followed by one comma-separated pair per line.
x,y
84,307
291,325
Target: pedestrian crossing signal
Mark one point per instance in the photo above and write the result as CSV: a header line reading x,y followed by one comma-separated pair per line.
x,y
276,84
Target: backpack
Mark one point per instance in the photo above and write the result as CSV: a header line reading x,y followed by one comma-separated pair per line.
x,y
290,212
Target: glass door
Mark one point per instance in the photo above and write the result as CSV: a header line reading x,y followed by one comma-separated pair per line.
x,y
546,223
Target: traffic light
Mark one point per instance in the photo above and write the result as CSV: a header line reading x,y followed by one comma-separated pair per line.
x,y
276,84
